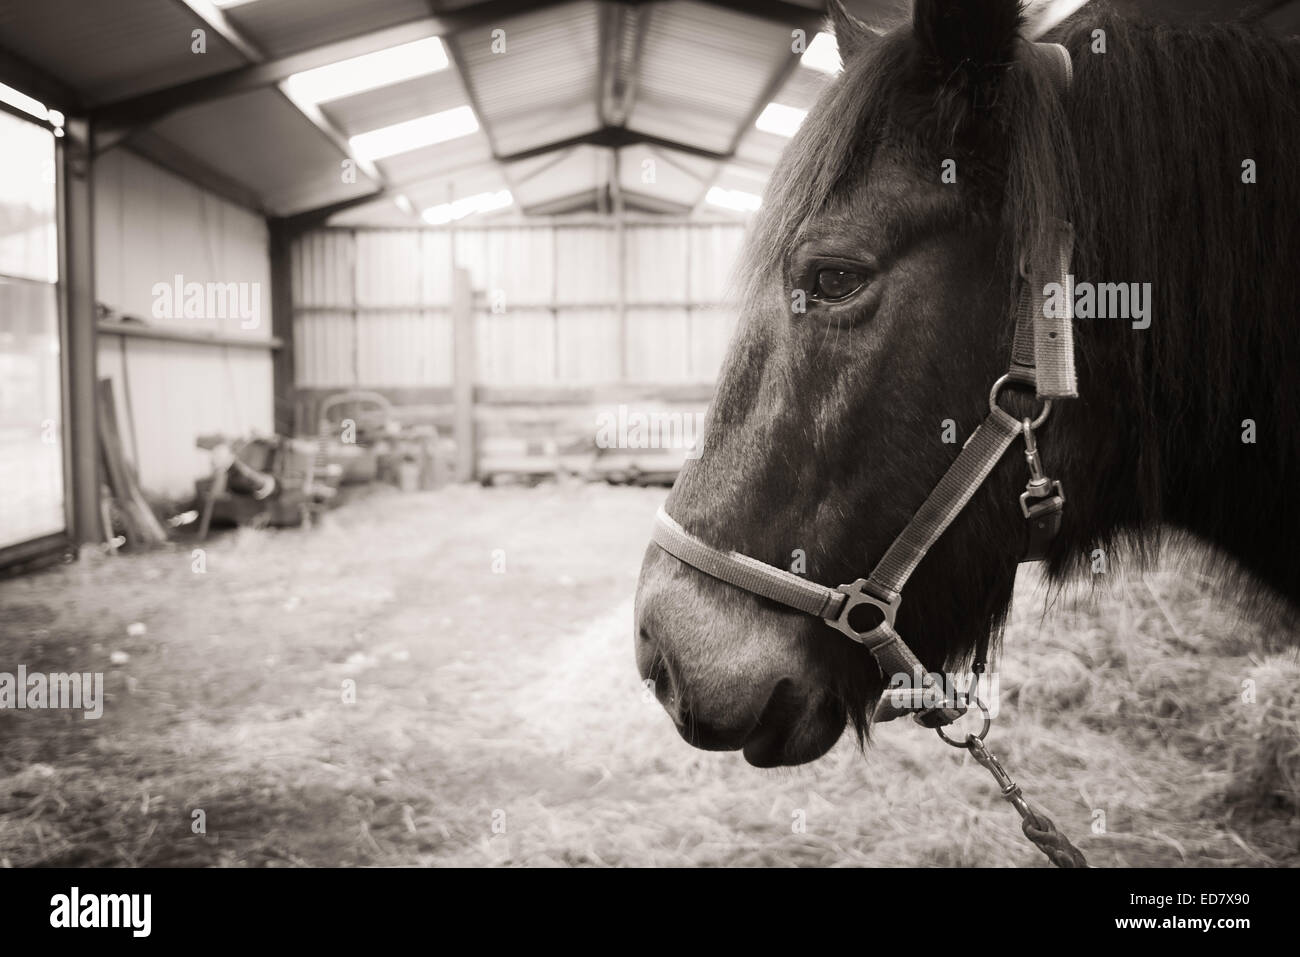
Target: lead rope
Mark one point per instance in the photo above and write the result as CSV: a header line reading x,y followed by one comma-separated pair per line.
x,y
1036,825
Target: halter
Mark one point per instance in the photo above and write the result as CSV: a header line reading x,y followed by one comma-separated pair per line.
x,y
1042,356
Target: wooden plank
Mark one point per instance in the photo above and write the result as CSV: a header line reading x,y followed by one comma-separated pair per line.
x,y
122,480
142,331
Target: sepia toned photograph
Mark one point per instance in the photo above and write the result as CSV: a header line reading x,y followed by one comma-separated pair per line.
x,y
686,434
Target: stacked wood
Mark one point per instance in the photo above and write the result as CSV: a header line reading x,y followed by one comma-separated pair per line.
x,y
127,503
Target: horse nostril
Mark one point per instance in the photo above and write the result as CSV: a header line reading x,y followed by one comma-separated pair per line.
x,y
665,688
658,673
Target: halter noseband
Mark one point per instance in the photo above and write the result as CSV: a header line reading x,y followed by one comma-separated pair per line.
x,y
1042,356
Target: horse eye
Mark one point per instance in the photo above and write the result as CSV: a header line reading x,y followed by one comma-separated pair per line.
x,y
832,285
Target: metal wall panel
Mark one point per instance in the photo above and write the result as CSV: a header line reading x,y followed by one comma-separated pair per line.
x,y
518,263
710,334
548,313
388,269
714,253
149,227
586,349
324,349
586,259
322,269
403,348
656,264
169,393
516,348
658,345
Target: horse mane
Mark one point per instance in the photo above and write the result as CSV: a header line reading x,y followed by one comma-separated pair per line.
x,y
890,95
1144,156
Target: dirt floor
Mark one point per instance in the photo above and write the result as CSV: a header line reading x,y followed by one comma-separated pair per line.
x,y
499,719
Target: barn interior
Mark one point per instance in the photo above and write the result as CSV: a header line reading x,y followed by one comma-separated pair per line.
x,y
313,316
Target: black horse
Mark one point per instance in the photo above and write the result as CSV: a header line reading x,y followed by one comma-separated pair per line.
x,y
938,160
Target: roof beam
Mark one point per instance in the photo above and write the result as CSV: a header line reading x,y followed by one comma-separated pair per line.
x,y
35,82
151,107
215,20
456,56
781,11
613,137
148,108
317,215
610,137
779,77
159,151
583,198
629,93
654,204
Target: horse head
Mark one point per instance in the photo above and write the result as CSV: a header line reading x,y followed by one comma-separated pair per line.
x,y
880,286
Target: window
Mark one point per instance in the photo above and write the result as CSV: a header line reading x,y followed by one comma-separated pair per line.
x,y
31,425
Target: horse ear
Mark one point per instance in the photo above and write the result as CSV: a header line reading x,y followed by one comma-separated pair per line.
x,y
851,34
967,34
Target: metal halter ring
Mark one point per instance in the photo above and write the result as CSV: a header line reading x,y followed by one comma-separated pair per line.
x,y
984,729
993,401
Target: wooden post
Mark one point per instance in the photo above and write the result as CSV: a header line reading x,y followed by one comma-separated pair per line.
x,y
620,269
464,369
282,305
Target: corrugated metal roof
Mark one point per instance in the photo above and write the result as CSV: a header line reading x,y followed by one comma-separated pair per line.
x,y
106,51
260,138
467,181
748,179
430,161
568,174
387,105
542,88
760,149
667,175
698,74
280,27
703,69
803,88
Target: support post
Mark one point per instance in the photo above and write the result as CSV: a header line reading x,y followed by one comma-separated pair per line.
x,y
282,362
77,272
620,269
464,369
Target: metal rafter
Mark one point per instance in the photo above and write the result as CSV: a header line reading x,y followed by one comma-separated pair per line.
x,y
456,57
809,22
150,107
213,18
35,82
614,103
